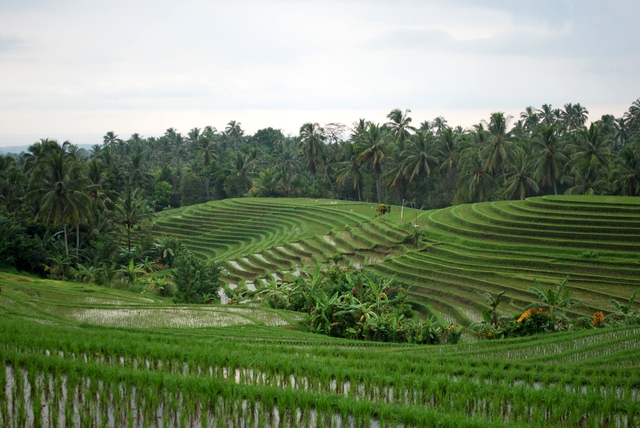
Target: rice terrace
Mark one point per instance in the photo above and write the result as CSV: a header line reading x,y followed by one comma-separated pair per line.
x,y
77,354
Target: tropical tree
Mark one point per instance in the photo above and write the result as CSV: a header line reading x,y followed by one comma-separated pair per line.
x,y
592,146
312,140
61,193
351,170
110,139
586,178
553,302
521,183
372,151
447,149
491,316
476,180
417,158
234,133
550,159
624,312
400,124
626,175
499,149
131,208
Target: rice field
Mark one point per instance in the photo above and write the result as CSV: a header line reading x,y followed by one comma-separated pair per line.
x,y
78,363
82,355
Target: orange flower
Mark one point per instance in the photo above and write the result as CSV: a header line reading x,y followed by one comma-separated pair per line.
x,y
598,318
530,312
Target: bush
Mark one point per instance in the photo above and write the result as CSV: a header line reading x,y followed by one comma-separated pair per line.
x,y
196,281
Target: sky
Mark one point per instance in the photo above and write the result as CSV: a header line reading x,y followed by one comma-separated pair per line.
x,y
73,70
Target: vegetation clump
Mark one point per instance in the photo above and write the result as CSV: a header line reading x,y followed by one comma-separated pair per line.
x,y
356,304
196,281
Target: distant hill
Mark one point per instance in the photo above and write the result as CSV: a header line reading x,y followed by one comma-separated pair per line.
x,y
19,149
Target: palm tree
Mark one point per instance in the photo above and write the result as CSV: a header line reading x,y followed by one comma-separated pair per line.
x,y
530,119
206,149
499,149
371,145
417,157
350,170
110,139
312,140
521,183
439,124
592,146
447,150
131,209
194,137
234,133
137,174
62,193
553,301
546,114
477,180
550,158
400,124
626,177
267,183
586,178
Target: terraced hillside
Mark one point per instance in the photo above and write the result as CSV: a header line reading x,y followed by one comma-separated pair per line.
x,y
61,369
504,245
464,249
261,237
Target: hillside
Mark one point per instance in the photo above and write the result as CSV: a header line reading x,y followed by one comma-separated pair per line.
x,y
490,246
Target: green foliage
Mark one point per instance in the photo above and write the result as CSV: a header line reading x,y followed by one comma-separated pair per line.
x,y
192,190
196,281
162,195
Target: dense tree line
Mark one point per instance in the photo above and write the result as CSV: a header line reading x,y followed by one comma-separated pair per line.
x,y
61,206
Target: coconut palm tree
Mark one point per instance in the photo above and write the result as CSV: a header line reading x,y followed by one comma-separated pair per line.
x,y
439,124
131,208
521,183
206,149
110,139
372,151
476,179
267,183
546,114
312,140
234,134
586,178
550,159
417,158
498,149
351,170
400,124
592,146
626,175
61,193
447,150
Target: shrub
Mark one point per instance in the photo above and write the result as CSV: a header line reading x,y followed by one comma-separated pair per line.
x,y
196,281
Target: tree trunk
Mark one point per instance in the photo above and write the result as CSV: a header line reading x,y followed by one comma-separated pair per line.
x,y
129,237
66,243
379,188
77,241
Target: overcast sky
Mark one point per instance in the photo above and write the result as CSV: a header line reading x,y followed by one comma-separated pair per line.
x,y
73,70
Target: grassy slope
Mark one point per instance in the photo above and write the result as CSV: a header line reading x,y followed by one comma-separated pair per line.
x,y
465,249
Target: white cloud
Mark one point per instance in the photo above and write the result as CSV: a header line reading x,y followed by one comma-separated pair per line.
x,y
143,66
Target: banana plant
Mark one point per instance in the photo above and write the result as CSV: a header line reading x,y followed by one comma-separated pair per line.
x,y
554,301
623,312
